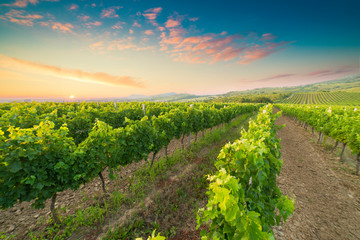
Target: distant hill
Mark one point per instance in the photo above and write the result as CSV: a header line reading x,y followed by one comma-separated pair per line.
x,y
347,84
169,97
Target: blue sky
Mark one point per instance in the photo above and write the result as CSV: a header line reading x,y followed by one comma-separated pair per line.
x,y
57,48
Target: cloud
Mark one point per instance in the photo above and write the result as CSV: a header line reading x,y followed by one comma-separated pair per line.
x,y
202,49
277,77
194,19
84,18
267,37
261,51
131,31
211,48
73,7
65,28
320,72
97,45
118,25
173,39
149,32
73,74
136,24
227,54
122,44
44,24
340,70
21,3
151,14
20,17
110,12
172,23
95,23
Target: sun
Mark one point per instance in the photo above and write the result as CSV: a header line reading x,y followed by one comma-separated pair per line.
x,y
72,96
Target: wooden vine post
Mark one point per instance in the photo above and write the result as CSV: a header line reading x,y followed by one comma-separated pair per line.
x,y
191,105
53,210
115,103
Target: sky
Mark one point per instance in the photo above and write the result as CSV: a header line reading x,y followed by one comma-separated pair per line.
x,y
103,49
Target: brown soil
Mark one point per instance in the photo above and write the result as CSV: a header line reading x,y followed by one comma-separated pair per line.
x,y
327,197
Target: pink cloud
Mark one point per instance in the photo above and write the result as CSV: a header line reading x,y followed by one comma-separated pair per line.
x,y
227,54
212,48
110,12
267,37
175,37
277,77
172,23
188,43
149,32
151,14
91,24
84,18
97,45
216,43
346,69
320,72
194,19
73,7
119,45
93,5
20,17
161,29
136,24
118,25
154,10
44,24
210,55
201,49
340,70
261,51
131,31
197,39
65,28
21,3
122,44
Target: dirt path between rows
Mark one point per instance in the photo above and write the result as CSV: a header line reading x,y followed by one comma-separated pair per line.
x,y
327,200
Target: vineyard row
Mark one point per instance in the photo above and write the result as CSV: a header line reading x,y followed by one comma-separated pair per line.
x,y
39,161
340,123
337,98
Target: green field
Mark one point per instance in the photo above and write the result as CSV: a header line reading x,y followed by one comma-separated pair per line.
x,y
337,98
